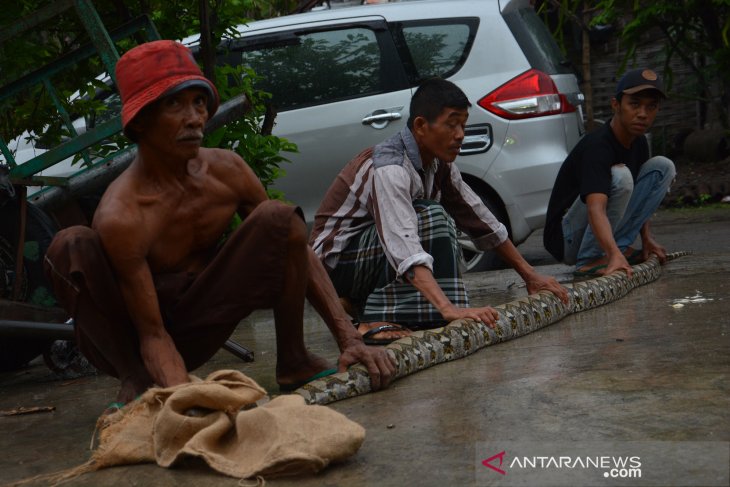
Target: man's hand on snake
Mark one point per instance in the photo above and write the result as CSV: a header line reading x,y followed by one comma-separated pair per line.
x,y
538,282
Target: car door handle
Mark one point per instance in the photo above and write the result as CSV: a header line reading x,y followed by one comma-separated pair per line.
x,y
380,118
474,144
477,139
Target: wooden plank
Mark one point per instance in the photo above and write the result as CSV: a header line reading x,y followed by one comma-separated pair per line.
x,y
30,410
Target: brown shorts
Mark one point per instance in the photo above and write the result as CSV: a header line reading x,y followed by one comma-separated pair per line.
x,y
200,311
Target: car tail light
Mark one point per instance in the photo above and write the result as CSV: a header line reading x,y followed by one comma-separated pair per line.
x,y
531,94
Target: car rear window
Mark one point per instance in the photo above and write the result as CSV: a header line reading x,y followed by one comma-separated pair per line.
x,y
311,68
436,47
539,47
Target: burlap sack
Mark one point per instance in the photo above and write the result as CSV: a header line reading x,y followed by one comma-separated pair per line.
x,y
282,437
217,419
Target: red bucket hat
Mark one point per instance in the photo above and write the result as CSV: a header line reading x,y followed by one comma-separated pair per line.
x,y
156,69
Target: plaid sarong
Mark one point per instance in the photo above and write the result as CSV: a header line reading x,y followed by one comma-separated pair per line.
x,y
364,275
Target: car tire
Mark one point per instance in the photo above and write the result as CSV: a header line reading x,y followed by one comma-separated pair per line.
x,y
473,259
40,229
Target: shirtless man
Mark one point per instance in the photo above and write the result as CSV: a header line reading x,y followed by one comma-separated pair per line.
x,y
154,290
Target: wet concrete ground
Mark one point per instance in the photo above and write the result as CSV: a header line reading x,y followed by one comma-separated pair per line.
x,y
637,369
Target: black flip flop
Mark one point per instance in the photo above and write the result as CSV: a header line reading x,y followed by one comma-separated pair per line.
x,y
381,341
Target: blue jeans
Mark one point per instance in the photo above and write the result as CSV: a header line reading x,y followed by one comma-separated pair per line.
x,y
630,205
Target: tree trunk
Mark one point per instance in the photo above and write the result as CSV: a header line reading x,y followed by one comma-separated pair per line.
x,y
207,49
586,64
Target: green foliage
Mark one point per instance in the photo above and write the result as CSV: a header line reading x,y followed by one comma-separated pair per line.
x,y
261,152
695,31
697,200
33,109
559,15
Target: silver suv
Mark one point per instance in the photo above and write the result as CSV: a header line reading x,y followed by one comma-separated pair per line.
x,y
342,80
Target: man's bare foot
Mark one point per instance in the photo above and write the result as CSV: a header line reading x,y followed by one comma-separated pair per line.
x,y
128,392
382,332
290,375
131,389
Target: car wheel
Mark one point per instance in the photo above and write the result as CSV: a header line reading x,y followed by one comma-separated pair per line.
x,y
473,259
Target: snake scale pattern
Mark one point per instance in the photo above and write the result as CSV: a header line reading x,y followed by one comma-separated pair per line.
x,y
460,338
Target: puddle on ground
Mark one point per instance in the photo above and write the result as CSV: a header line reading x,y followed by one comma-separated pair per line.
x,y
697,298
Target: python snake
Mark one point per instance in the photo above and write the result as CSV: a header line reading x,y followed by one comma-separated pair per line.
x,y
460,338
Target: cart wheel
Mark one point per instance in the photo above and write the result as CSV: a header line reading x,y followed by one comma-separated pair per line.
x,y
34,288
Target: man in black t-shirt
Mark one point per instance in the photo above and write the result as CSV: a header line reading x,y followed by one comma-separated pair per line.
x,y
608,187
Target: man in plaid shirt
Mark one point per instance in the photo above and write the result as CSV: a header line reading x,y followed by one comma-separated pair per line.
x,y
386,229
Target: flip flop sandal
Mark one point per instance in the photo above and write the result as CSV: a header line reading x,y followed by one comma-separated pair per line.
x,y
592,272
367,336
318,375
117,405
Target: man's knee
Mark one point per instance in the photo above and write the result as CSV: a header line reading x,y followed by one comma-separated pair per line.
x,y
298,235
661,164
622,182
298,230
74,251
431,212
76,235
272,214
78,240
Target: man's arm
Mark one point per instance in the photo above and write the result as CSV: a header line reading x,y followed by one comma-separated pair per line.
x,y
422,279
601,227
534,281
248,186
650,246
322,295
397,225
122,243
473,216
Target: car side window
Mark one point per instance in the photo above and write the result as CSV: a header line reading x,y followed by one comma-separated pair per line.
x,y
537,43
437,48
310,68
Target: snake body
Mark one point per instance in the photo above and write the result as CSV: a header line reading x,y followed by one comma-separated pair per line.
x,y
460,338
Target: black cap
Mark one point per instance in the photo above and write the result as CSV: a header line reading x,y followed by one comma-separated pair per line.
x,y
638,80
